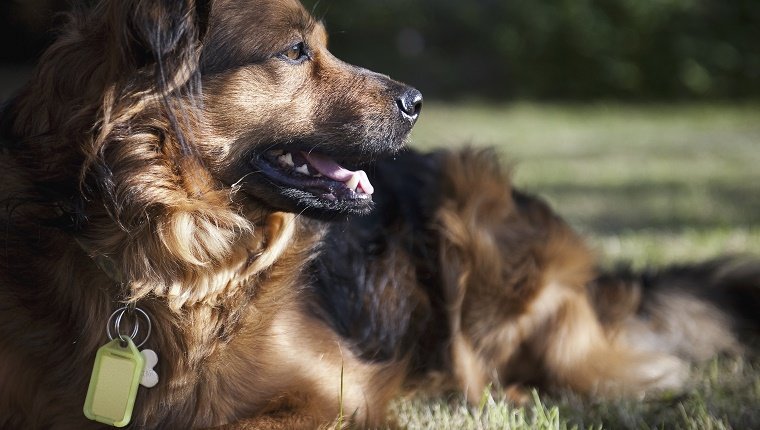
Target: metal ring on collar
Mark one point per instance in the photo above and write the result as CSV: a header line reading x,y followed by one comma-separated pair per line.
x,y
118,314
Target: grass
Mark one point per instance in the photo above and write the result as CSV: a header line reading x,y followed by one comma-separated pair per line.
x,y
651,185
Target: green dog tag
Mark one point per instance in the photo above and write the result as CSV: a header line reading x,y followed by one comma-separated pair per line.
x,y
113,384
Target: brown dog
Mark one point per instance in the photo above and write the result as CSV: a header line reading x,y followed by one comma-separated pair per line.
x,y
199,160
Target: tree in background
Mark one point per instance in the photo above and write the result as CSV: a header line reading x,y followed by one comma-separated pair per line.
x,y
555,49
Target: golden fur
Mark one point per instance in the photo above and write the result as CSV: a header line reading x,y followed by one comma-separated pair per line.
x,y
520,311
135,171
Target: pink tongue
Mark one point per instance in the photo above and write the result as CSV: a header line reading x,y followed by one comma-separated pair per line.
x,y
335,171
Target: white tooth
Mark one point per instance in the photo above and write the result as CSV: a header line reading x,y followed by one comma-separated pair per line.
x,y
364,182
353,182
286,160
303,169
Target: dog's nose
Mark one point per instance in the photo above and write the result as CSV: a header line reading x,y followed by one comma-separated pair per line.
x,y
410,103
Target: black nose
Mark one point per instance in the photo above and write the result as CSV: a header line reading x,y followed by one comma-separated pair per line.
x,y
410,103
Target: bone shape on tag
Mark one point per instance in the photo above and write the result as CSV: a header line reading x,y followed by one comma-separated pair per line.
x,y
149,376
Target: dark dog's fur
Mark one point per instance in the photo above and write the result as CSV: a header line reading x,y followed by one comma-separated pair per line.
x,y
147,162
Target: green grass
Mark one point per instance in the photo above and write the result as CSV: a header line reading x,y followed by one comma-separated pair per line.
x,y
651,185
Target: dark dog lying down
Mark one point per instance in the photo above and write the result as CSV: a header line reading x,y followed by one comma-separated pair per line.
x,y
201,161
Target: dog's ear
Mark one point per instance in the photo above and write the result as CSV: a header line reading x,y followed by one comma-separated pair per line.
x,y
162,37
158,30
202,11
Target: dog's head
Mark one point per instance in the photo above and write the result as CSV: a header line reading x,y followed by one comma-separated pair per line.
x,y
291,123
246,87
169,130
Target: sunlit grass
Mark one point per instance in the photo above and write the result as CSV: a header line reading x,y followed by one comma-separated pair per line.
x,y
492,412
650,185
722,394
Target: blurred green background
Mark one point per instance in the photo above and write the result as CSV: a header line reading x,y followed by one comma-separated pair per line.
x,y
555,49
508,49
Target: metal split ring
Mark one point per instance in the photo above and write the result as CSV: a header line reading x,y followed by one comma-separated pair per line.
x,y
115,321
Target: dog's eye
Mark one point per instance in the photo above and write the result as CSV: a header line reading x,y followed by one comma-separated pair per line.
x,y
296,52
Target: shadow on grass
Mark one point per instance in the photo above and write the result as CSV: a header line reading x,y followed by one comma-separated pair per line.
x,y
661,206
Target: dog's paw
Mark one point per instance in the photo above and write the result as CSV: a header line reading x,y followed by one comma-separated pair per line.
x,y
668,373
658,373
518,395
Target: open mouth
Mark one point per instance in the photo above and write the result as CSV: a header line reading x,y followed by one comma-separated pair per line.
x,y
317,175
